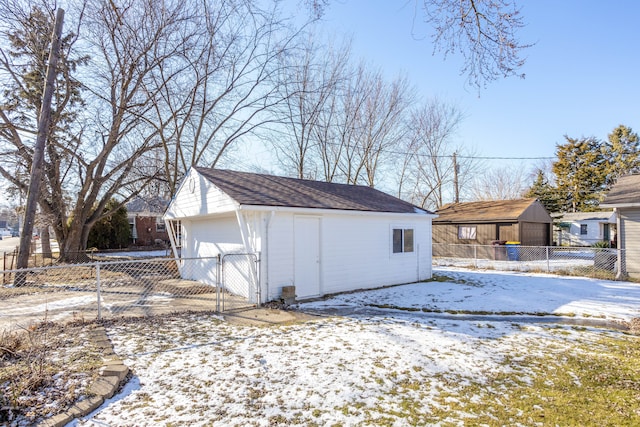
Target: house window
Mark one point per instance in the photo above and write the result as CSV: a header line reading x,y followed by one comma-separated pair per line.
x,y
583,229
160,225
466,232
402,240
132,228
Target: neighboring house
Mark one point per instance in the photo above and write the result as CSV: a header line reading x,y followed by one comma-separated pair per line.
x,y
320,237
486,222
145,220
624,198
584,228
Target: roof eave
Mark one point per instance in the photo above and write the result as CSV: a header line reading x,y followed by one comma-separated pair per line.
x,y
318,211
474,221
620,205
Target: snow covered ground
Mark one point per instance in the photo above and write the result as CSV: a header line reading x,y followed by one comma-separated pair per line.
x,y
156,253
503,292
391,367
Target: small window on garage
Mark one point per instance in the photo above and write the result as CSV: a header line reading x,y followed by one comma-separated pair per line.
x,y
402,240
466,232
583,229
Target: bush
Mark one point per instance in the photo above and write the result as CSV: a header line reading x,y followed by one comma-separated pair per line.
x,y
112,231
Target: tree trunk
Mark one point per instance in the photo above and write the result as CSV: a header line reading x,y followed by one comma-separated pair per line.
x,y
38,152
73,249
45,241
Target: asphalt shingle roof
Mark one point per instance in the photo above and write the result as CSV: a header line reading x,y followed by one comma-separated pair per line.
x,y
625,191
154,204
269,190
483,211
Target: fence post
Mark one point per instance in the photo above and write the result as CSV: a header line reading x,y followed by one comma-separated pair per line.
x,y
475,255
256,257
98,290
548,263
219,281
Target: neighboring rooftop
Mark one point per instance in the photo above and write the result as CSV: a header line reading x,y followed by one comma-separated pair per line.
x,y
152,205
604,216
624,193
269,190
484,211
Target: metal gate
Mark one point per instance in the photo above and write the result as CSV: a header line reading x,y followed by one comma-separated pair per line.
x,y
239,286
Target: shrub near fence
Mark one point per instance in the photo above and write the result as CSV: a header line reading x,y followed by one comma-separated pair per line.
x,y
589,262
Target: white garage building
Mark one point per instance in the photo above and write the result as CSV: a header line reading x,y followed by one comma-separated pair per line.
x,y
320,237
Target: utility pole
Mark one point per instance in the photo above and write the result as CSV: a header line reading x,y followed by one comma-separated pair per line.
x,y
38,150
456,188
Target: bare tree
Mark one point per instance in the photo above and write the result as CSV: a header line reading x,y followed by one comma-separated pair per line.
x,y
483,32
382,123
99,130
361,125
503,183
223,87
339,126
427,173
313,80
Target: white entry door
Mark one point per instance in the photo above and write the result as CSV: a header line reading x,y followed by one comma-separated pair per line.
x,y
307,256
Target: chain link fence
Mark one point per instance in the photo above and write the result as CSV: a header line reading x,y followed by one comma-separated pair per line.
x,y
104,289
580,261
37,258
239,277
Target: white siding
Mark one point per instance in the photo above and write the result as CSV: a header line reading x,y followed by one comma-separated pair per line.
x,y
198,197
356,252
572,237
213,236
629,239
279,255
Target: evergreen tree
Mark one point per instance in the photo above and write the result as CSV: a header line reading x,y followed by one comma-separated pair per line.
x,y
622,153
112,231
545,192
581,174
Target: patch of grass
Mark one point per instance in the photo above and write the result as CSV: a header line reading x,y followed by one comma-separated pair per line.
x,y
448,279
571,388
591,383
